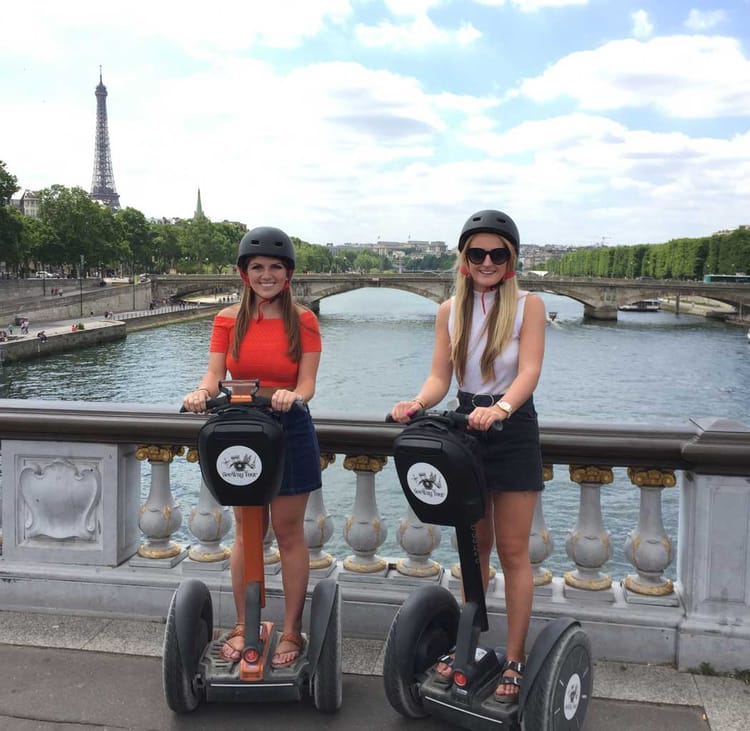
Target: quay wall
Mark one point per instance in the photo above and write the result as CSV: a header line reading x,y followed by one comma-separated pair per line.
x,y
73,302
60,339
148,320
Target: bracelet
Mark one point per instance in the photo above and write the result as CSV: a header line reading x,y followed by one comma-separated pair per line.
x,y
420,402
203,388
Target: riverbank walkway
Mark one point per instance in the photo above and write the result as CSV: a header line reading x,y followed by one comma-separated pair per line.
x,y
85,673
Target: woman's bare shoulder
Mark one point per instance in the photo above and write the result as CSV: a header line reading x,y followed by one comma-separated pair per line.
x,y
232,311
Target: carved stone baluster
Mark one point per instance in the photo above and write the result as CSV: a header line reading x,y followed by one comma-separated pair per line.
x,y
418,540
160,515
209,522
541,544
588,545
648,547
319,528
364,530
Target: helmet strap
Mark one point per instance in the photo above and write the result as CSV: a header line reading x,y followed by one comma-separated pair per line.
x,y
509,275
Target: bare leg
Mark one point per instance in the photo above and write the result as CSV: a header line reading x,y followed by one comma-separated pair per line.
x,y
287,518
514,512
485,540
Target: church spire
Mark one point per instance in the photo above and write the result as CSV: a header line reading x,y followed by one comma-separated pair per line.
x,y
198,206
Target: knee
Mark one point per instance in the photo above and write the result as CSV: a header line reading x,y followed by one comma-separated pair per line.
x,y
514,554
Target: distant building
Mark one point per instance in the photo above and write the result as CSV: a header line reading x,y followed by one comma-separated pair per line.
x,y
27,202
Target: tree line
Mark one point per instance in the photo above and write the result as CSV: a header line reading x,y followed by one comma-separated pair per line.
x,y
676,259
72,228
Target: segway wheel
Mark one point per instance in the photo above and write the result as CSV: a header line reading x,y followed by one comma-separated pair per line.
x,y
423,629
560,696
179,689
326,681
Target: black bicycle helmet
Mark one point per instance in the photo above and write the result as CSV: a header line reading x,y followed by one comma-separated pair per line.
x,y
493,222
266,241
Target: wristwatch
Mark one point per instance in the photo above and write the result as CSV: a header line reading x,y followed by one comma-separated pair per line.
x,y
505,406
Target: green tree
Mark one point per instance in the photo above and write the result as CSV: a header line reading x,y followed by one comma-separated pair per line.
x,y
138,236
8,185
80,227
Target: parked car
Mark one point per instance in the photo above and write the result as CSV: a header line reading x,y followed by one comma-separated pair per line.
x,y
47,275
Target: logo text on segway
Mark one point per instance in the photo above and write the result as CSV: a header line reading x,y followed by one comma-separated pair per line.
x,y
427,483
239,465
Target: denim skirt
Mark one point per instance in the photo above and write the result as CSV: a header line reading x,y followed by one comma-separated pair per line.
x,y
302,463
513,458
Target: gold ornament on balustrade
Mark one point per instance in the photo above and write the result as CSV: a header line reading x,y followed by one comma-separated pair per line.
x,y
364,463
158,452
548,472
651,477
327,458
192,455
591,474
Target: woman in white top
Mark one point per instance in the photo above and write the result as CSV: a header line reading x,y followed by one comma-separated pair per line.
x,y
490,335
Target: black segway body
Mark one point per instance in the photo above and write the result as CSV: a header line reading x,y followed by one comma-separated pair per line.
x,y
444,483
241,451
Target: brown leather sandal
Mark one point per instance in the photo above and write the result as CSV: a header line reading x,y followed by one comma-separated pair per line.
x,y
229,652
293,638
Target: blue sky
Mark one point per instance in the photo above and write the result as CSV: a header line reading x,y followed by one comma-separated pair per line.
x,y
588,121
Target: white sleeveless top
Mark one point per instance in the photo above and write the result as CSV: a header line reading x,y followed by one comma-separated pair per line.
x,y
506,364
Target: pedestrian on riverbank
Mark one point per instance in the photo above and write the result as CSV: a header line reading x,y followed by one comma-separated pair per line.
x,y
269,337
490,336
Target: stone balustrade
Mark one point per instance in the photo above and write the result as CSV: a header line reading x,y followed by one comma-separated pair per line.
x,y
73,514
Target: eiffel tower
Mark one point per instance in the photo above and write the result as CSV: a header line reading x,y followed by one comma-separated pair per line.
x,y
103,182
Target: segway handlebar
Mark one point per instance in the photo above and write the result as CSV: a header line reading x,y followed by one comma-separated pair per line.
x,y
454,417
241,393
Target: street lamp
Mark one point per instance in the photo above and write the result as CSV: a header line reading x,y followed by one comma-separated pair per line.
x,y
80,283
132,271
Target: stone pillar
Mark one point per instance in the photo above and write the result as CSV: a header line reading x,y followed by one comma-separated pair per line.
x,y
418,540
160,514
713,553
69,502
541,544
319,528
588,544
364,530
209,522
648,547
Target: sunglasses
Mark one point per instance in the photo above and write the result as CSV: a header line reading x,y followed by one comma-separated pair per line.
x,y
477,255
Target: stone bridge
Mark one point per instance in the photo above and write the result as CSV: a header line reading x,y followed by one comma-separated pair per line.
x,y
600,297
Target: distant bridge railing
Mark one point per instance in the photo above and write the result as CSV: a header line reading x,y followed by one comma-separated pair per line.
x,y
78,537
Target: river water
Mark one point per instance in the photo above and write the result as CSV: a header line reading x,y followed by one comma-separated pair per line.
x,y
649,368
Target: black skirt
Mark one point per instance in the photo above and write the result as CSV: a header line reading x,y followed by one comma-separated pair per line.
x,y
512,459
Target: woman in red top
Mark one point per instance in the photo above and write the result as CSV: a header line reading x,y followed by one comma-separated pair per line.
x,y
269,337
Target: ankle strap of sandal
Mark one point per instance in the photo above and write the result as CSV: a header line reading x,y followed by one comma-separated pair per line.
x,y
514,665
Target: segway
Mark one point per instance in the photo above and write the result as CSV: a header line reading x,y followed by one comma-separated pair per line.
x,y
241,451
444,482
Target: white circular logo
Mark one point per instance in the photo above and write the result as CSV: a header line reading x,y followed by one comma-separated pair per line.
x,y
427,483
239,465
572,696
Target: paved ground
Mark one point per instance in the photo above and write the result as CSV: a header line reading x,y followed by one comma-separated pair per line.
x,y
77,673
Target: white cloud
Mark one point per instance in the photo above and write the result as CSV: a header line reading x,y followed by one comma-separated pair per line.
x,y
681,76
419,32
700,21
642,25
531,6
48,29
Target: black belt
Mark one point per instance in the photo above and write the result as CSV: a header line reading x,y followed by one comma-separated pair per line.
x,y
475,400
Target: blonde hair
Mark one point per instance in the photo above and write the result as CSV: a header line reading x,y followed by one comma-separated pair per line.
x,y
499,323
